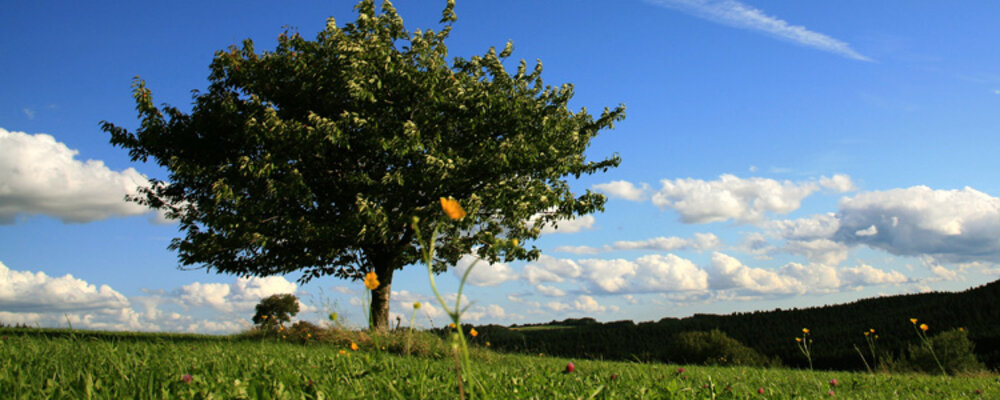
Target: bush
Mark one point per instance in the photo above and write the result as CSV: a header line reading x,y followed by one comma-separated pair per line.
x,y
714,348
953,348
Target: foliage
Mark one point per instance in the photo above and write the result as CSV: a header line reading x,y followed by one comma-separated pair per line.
x,y
954,350
275,310
315,156
713,348
835,329
146,366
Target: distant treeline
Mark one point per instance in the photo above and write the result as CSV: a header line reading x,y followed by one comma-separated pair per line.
x,y
836,330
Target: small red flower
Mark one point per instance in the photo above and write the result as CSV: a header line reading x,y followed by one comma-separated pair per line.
x,y
833,382
613,376
187,378
680,371
569,368
830,393
760,390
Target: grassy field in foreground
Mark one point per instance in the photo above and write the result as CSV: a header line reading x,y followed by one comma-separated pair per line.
x,y
81,367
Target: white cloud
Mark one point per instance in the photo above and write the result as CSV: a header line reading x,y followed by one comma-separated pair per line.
x,y
864,275
581,223
609,275
701,241
36,298
650,273
729,273
731,197
550,269
587,304
823,251
950,225
820,226
483,273
739,15
557,306
41,176
550,291
241,295
624,190
869,231
657,273
28,113
578,249
838,183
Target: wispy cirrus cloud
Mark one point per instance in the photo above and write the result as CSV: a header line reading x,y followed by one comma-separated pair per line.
x,y
739,15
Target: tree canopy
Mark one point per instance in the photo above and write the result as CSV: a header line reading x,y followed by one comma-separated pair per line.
x,y
315,157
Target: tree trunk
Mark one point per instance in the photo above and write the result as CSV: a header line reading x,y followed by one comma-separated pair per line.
x,y
379,313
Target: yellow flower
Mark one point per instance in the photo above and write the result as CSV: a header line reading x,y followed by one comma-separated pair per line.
x,y
354,346
452,208
309,335
371,280
282,336
451,325
416,305
805,331
487,344
798,339
473,332
871,330
913,321
924,327
867,333
342,352
263,317
333,316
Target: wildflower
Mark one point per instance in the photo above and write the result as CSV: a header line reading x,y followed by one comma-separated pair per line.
x,y
866,333
760,390
416,305
924,327
452,208
805,331
309,335
310,383
487,344
613,376
913,321
798,339
451,325
680,371
371,280
354,346
569,368
830,393
283,336
473,332
263,317
342,352
187,378
871,330
383,347
333,316
833,382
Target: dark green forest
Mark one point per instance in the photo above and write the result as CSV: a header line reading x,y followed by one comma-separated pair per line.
x,y
834,329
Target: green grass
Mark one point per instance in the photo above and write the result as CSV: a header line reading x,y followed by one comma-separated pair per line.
x,y
81,366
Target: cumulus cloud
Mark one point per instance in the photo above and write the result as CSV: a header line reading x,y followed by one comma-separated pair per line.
x,y
588,304
823,251
864,275
729,274
949,225
820,226
624,190
700,241
550,269
240,295
41,176
484,273
37,298
550,291
577,224
731,197
738,15
839,183
651,273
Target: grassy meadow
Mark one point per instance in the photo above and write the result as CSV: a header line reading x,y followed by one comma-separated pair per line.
x,y
83,365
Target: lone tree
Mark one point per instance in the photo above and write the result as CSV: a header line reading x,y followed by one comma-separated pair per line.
x,y
275,310
316,157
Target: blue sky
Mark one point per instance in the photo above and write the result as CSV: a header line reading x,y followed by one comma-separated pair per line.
x,y
774,154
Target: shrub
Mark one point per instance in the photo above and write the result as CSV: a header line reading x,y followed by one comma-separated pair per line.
x,y
714,348
953,348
